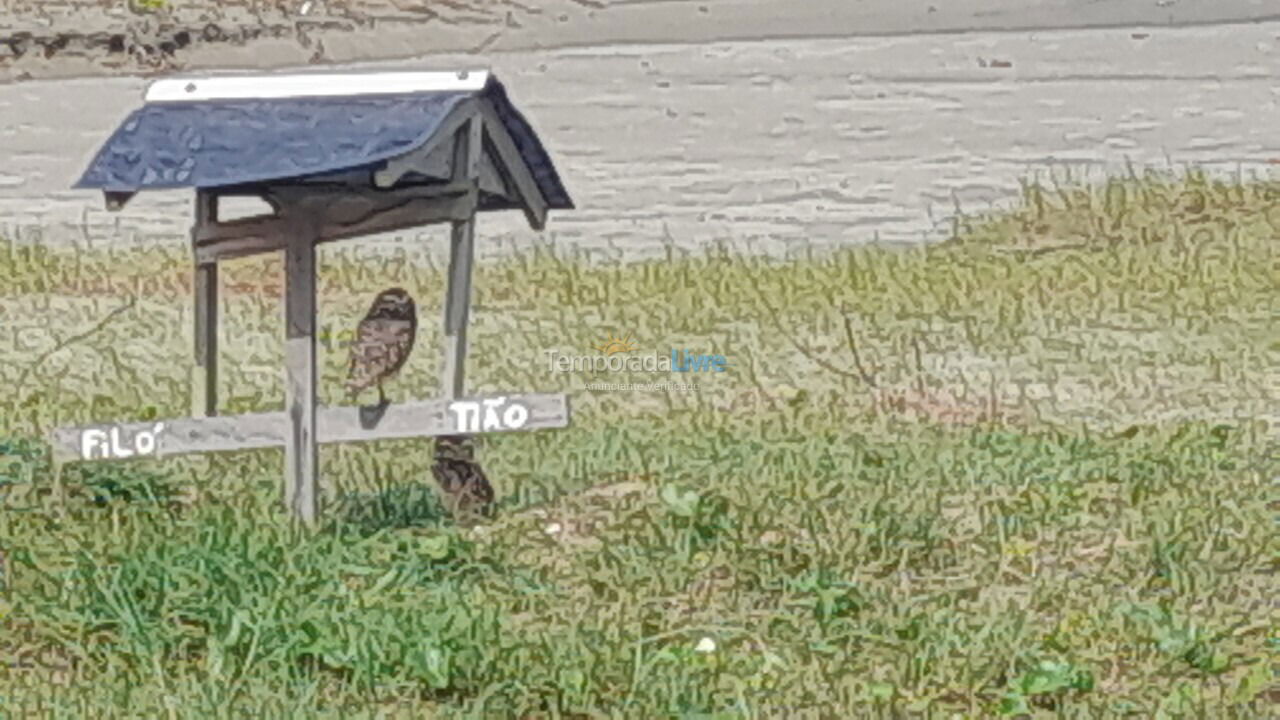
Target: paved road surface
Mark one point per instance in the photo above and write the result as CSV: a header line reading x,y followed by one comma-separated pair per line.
x,y
62,33
769,143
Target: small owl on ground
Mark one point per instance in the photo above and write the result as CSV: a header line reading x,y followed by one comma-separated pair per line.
x,y
382,343
467,492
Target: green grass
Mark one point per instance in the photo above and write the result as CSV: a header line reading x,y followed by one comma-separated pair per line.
x,y
1031,471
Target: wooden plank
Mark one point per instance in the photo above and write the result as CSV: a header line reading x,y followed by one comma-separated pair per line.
x,y
393,213
178,436
467,158
439,165
344,201
232,248
435,167
535,205
342,215
444,416
301,451
204,381
258,226
426,418
457,306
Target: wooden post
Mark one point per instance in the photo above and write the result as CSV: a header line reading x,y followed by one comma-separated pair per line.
x,y
204,381
301,456
466,169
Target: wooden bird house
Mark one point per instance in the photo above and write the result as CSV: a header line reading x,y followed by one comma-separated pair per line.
x,y
335,157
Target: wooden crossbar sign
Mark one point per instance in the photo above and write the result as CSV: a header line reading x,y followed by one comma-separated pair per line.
x,y
160,438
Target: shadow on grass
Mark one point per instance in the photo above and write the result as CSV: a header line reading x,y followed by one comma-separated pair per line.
x,y
25,462
396,507
412,505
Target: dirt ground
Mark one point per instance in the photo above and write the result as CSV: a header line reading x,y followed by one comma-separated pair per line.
x,y
75,37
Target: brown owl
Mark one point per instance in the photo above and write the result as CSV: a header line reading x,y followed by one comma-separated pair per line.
x,y
382,343
467,492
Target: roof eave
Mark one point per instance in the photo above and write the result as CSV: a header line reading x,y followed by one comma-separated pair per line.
x,y
313,85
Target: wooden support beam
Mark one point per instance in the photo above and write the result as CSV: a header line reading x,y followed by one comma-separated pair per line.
x,y
512,412
204,398
513,165
204,381
370,214
437,166
338,215
258,226
233,248
216,241
301,454
468,148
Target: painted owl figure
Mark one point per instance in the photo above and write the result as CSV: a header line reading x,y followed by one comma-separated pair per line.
x,y
467,492
382,342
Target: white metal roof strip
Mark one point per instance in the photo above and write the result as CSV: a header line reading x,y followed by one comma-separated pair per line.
x,y
313,85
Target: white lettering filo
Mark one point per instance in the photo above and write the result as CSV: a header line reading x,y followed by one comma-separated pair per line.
x,y
91,439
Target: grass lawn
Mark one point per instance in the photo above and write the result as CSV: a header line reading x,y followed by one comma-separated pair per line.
x,y
1032,471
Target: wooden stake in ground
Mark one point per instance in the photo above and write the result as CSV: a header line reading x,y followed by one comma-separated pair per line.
x,y
204,396
301,455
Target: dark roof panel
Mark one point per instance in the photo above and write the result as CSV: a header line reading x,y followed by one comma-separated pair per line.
x,y
215,143
530,147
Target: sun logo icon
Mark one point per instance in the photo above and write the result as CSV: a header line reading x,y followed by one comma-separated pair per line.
x,y
614,345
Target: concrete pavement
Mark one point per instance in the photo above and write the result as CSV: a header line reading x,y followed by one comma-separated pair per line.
x,y
769,144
